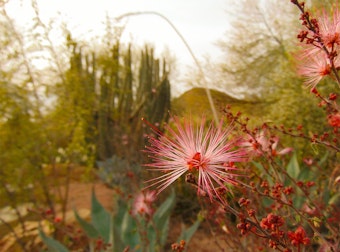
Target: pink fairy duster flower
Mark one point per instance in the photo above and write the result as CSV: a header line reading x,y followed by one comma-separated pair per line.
x,y
253,145
262,144
329,28
143,203
320,54
314,67
195,149
275,152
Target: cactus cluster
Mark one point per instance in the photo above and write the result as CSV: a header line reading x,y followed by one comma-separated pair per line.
x,y
109,93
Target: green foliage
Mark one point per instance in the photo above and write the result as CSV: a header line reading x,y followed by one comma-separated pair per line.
x,y
88,228
24,144
186,234
100,218
113,172
260,66
158,231
124,230
101,222
257,51
293,168
104,96
52,245
313,189
85,105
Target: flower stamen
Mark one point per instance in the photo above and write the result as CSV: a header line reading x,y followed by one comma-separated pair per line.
x,y
194,162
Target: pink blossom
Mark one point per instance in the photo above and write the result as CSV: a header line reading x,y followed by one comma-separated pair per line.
x,y
143,203
275,152
308,161
329,28
204,151
314,67
264,144
318,57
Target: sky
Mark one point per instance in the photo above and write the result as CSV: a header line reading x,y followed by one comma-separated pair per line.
x,y
201,23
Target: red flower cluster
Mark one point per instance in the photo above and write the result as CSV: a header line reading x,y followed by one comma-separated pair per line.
x,y
178,247
334,120
298,237
272,222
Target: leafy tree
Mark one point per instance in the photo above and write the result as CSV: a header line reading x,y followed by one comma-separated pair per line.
x,y
259,64
257,49
25,146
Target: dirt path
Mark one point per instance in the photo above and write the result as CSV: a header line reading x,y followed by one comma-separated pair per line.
x,y
80,195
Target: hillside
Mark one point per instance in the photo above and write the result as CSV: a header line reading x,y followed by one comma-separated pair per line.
x,y
195,102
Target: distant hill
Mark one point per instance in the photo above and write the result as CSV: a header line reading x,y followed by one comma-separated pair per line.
x,y
195,102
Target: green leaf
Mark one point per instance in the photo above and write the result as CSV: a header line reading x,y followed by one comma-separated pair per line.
x,y
189,232
152,237
118,231
259,166
89,229
293,168
305,174
316,221
125,228
297,218
164,211
335,199
267,202
262,172
298,201
162,216
119,215
323,159
129,233
52,244
100,218
326,195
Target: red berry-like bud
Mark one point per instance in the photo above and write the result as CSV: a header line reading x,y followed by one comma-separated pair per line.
x,y
332,96
314,91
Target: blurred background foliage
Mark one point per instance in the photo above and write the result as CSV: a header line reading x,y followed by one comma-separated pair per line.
x,y
259,67
65,107
68,106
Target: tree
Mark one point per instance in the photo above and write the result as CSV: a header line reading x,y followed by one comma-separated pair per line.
x,y
257,49
25,146
259,63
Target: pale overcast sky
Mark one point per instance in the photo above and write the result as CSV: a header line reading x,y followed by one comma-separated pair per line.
x,y
201,22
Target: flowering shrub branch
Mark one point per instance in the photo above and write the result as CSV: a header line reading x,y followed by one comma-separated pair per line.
x,y
323,34
244,173
259,193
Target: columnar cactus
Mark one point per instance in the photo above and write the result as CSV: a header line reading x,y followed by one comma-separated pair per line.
x,y
111,95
